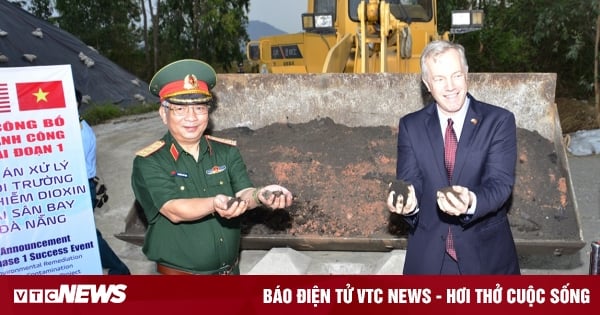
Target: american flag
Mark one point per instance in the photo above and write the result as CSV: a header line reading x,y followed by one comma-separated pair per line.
x,y
4,101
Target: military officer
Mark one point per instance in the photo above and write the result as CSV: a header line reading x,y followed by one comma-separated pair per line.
x,y
193,187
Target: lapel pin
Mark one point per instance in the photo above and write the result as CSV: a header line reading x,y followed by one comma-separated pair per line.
x,y
474,121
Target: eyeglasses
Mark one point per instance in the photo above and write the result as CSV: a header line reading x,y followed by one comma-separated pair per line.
x,y
182,110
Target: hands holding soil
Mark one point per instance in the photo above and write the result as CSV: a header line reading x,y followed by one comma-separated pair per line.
x,y
454,200
272,196
229,207
275,196
401,197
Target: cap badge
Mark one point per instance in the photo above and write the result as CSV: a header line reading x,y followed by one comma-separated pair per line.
x,y
190,82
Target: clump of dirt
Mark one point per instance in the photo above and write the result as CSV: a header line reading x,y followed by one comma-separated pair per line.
x,y
340,175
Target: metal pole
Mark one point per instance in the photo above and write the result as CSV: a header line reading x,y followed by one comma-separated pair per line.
x,y
595,258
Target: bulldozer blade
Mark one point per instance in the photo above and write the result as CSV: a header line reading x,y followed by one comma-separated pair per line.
x,y
380,99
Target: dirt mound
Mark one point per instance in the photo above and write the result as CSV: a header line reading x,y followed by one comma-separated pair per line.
x,y
339,176
576,115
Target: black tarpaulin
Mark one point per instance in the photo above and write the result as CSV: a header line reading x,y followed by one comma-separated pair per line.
x,y
26,40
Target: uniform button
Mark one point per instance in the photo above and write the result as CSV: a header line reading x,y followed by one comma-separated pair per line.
x,y
221,183
221,240
182,188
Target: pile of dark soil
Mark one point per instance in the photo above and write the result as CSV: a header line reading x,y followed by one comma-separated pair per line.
x,y
577,115
339,176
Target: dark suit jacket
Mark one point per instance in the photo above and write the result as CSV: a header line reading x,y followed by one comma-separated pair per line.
x,y
485,164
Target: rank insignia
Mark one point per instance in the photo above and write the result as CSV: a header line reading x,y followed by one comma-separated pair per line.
x,y
147,151
174,152
222,140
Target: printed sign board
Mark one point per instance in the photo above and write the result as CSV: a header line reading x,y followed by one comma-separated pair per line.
x,y
46,217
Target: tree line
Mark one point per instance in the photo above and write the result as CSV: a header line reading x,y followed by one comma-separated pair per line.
x,y
556,36
141,36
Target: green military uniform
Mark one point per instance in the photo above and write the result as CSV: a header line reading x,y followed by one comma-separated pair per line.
x,y
164,172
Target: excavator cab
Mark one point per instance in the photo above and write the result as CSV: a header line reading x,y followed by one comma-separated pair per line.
x,y
322,18
412,10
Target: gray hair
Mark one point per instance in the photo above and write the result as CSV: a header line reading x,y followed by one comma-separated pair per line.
x,y
438,47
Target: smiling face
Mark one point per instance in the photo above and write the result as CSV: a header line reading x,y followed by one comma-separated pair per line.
x,y
446,79
186,129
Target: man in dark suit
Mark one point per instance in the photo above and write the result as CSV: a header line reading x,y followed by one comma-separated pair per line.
x,y
458,156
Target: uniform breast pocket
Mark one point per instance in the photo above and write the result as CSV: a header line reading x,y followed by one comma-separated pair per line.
x,y
217,177
184,186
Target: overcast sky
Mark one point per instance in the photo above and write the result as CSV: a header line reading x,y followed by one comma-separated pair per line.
x,y
282,14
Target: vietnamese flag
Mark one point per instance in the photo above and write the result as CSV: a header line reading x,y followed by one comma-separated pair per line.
x,y
40,95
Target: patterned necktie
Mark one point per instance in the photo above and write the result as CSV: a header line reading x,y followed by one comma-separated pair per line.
x,y
450,145
450,148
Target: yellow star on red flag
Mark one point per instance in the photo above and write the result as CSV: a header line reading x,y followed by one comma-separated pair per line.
x,y
40,95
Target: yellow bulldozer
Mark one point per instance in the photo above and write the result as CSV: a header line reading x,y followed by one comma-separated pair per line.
x,y
358,36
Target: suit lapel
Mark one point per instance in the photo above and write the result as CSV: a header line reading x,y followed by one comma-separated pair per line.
x,y
436,140
469,131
